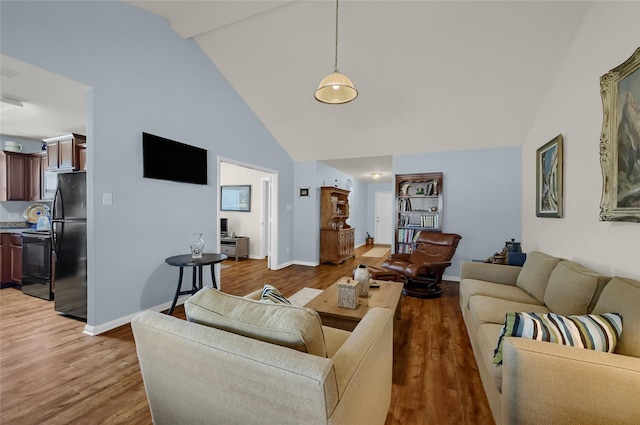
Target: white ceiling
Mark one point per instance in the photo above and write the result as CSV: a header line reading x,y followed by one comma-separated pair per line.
x,y
52,105
431,75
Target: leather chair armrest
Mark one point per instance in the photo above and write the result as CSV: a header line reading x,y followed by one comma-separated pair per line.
x,y
437,264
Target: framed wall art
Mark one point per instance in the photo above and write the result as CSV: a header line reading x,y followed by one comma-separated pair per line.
x,y
549,179
620,142
235,198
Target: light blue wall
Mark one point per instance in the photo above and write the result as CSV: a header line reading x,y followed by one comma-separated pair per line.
x,y
306,217
482,197
143,77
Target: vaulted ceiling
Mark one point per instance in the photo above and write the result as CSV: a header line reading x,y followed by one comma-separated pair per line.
x,y
431,75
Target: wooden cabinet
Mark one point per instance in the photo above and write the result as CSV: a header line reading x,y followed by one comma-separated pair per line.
x,y
337,238
13,176
419,208
21,176
81,154
16,258
235,247
62,153
36,170
5,258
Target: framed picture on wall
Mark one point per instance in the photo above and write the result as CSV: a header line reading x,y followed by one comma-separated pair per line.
x,y
235,198
620,142
549,179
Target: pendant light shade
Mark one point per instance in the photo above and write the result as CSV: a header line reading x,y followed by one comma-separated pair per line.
x,y
336,88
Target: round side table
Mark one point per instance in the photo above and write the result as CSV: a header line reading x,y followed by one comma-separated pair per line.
x,y
186,260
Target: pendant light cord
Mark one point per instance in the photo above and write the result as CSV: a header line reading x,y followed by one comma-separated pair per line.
x,y
335,65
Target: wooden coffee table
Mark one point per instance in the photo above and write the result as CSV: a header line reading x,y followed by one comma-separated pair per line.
x,y
326,304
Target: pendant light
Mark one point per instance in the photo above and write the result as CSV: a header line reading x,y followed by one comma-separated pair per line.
x,y
336,88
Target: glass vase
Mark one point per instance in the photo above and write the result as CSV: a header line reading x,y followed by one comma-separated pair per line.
x,y
197,245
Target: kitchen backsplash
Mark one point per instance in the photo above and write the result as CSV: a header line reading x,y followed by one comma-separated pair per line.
x,y
12,211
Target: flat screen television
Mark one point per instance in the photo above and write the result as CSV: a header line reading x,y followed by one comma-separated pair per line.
x,y
166,159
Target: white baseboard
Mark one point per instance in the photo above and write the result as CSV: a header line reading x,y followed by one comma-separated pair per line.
x,y
97,330
306,263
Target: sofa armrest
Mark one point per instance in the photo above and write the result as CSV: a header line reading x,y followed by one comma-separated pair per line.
x,y
498,273
545,383
363,366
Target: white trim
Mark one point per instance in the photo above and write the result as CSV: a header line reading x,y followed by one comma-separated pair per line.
x,y
124,320
306,263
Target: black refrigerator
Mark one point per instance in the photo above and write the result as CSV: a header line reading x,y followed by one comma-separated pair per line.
x,y
69,231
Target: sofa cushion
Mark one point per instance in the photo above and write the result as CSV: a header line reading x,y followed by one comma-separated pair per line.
x,y
287,325
594,332
471,287
571,288
622,295
488,335
485,309
535,273
270,294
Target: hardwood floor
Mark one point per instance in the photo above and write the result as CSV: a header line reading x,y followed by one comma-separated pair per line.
x,y
51,373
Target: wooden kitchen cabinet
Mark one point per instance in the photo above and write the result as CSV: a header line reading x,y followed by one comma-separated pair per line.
x,y
81,154
5,259
21,176
35,174
62,152
16,258
13,176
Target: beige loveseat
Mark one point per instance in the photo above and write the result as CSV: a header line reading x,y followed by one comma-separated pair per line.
x,y
239,361
546,383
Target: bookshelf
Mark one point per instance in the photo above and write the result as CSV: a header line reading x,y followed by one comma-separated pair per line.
x,y
419,208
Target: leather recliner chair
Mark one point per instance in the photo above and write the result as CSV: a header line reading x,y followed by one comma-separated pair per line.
x,y
424,267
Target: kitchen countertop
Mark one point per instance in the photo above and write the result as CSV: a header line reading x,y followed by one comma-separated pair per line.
x,y
14,226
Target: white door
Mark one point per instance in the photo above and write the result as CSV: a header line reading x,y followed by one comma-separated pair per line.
x,y
384,222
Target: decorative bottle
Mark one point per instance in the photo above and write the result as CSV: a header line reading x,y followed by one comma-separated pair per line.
x,y
197,245
361,274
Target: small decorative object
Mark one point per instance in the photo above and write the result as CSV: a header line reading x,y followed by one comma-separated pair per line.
x,y
549,179
197,245
369,239
619,141
361,274
435,188
405,190
420,191
347,290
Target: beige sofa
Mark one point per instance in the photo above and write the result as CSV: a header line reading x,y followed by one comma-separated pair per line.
x,y
547,383
239,361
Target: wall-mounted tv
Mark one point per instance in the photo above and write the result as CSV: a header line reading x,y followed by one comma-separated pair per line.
x,y
166,159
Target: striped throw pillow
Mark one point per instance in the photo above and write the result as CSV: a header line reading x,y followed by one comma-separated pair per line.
x,y
271,295
598,332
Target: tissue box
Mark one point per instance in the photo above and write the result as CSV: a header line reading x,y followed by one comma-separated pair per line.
x,y
348,293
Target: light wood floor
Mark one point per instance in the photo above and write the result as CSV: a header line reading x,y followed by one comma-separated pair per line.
x,y
50,373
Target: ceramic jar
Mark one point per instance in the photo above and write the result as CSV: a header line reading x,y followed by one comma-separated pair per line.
x,y
362,275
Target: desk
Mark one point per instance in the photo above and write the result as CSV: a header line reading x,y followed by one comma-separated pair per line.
x,y
235,247
186,260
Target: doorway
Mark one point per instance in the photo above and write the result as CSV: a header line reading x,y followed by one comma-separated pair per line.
x,y
383,213
259,224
